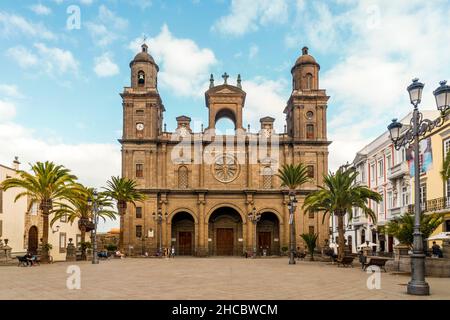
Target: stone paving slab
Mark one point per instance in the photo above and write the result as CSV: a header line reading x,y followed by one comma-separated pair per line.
x,y
206,279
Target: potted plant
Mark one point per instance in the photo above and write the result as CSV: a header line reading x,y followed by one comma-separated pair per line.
x,y
310,240
284,250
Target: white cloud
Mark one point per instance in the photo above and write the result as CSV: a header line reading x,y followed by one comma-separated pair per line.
x,y
7,111
11,24
265,98
105,67
107,28
57,60
51,60
378,48
246,16
10,91
40,9
253,51
24,57
184,66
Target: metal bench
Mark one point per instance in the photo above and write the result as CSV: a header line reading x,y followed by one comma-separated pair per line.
x,y
379,262
346,261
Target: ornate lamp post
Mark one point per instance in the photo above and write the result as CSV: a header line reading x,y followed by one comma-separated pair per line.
x,y
419,127
158,218
254,217
291,206
95,209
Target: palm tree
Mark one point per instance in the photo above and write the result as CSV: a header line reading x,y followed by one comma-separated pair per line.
x,y
78,208
403,228
311,243
293,176
123,191
338,196
47,183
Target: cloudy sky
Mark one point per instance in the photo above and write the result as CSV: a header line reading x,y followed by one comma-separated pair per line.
x,y
61,77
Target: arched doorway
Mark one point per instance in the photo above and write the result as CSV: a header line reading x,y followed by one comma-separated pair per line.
x,y
268,234
33,239
225,237
183,232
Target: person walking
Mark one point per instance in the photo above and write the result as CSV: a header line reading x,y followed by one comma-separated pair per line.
x,y
172,252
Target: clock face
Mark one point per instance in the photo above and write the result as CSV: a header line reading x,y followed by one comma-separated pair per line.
x,y
140,126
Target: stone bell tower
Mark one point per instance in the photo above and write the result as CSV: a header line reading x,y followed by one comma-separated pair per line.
x,y
142,106
307,107
225,101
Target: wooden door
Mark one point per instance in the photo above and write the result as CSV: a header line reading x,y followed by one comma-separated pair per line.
x,y
225,241
264,242
33,240
185,243
390,244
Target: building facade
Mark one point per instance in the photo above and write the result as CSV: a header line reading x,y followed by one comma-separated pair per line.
x,y
201,186
434,191
21,222
385,170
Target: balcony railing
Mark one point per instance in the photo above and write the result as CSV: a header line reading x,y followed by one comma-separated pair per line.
x,y
434,205
397,171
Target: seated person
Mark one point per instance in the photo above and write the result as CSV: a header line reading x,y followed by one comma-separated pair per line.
x,y
103,254
31,259
119,254
436,250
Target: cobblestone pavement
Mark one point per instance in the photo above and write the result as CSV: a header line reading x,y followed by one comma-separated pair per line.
x,y
206,278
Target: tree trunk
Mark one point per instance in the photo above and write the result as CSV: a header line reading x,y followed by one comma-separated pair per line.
x,y
45,253
341,238
122,209
83,238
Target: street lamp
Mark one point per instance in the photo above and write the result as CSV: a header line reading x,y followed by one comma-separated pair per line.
x,y
254,217
158,218
419,127
291,206
95,209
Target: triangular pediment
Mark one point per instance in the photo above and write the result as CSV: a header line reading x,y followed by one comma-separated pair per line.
x,y
225,89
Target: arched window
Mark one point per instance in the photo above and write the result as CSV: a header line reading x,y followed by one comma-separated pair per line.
x,y
141,78
309,131
183,178
309,79
267,177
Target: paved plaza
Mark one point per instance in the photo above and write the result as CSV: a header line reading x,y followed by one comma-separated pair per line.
x,y
206,278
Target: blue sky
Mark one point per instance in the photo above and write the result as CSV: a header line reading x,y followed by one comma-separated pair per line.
x,y
59,88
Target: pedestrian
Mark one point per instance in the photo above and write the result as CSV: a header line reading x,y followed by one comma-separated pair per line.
x,y
172,252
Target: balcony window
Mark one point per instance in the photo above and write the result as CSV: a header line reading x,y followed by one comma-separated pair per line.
x,y
380,168
372,172
388,162
405,197
390,200
423,196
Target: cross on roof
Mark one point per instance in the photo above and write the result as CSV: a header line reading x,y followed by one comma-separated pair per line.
x,y
225,77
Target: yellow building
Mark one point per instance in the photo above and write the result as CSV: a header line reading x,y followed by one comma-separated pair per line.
x,y
435,193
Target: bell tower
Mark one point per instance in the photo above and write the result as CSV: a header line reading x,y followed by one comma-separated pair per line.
x,y
306,110
225,101
142,105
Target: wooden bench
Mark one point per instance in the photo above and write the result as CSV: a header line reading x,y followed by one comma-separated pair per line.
x,y
379,262
346,261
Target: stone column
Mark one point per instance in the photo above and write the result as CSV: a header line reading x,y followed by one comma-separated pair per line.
x,y
202,227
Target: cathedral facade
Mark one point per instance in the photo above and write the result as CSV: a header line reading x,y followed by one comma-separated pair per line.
x,y
204,188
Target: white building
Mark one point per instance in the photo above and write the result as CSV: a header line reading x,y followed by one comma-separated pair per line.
x,y
385,170
21,222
